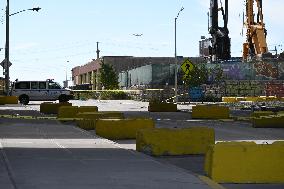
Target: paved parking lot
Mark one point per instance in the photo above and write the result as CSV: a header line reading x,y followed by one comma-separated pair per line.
x,y
226,130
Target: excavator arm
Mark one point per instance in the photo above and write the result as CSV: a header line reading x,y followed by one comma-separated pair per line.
x,y
255,45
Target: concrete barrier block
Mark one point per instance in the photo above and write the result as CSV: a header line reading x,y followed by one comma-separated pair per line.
x,y
11,100
162,107
88,109
245,162
276,121
271,98
2,100
253,98
241,99
166,141
67,112
52,108
229,99
122,128
101,115
210,112
86,124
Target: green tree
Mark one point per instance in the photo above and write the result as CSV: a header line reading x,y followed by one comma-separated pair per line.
x,y
218,74
197,77
108,77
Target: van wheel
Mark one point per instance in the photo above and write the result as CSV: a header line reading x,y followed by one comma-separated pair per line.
x,y
24,99
62,98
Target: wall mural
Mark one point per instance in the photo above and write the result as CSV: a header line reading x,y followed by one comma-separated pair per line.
x,y
266,70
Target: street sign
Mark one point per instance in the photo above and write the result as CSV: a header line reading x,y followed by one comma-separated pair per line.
x,y
187,66
4,64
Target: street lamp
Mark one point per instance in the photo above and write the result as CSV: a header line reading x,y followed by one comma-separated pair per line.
x,y
6,63
176,61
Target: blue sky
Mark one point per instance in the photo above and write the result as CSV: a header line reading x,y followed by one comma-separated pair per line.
x,y
67,30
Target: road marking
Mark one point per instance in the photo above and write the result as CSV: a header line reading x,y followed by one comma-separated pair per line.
x,y
210,182
8,167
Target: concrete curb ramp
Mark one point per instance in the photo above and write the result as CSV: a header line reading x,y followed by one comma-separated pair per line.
x,y
52,108
159,142
8,100
272,121
210,112
162,107
245,162
122,128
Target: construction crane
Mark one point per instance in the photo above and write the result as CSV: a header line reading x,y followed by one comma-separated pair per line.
x,y
255,46
221,43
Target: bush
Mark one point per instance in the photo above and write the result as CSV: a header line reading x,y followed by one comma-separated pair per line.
x,y
114,95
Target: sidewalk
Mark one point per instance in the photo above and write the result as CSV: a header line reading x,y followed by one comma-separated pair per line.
x,y
60,156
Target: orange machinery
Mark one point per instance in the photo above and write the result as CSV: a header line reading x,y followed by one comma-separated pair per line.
x,y
255,45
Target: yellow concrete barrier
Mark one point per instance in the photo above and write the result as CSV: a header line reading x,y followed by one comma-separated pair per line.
x,y
276,121
210,112
271,98
166,141
245,162
8,100
86,124
52,108
241,99
229,99
11,100
261,113
2,100
122,128
67,112
100,115
88,109
253,98
162,107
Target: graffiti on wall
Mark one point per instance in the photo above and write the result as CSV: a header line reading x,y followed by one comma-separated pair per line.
x,y
266,70
244,88
274,88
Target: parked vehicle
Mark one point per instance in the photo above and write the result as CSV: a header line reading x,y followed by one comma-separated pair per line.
x,y
40,91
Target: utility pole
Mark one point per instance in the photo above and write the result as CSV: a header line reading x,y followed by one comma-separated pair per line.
x,y
7,61
176,60
98,51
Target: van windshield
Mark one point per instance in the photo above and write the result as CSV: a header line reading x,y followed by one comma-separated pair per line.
x,y
54,85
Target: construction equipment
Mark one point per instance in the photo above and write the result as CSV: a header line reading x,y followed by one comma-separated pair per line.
x,y
221,43
255,46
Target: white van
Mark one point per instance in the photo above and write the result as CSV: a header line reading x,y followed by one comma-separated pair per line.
x,y
39,90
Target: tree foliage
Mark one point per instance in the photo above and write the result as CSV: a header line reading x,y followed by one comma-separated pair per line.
x,y
203,75
197,77
108,77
